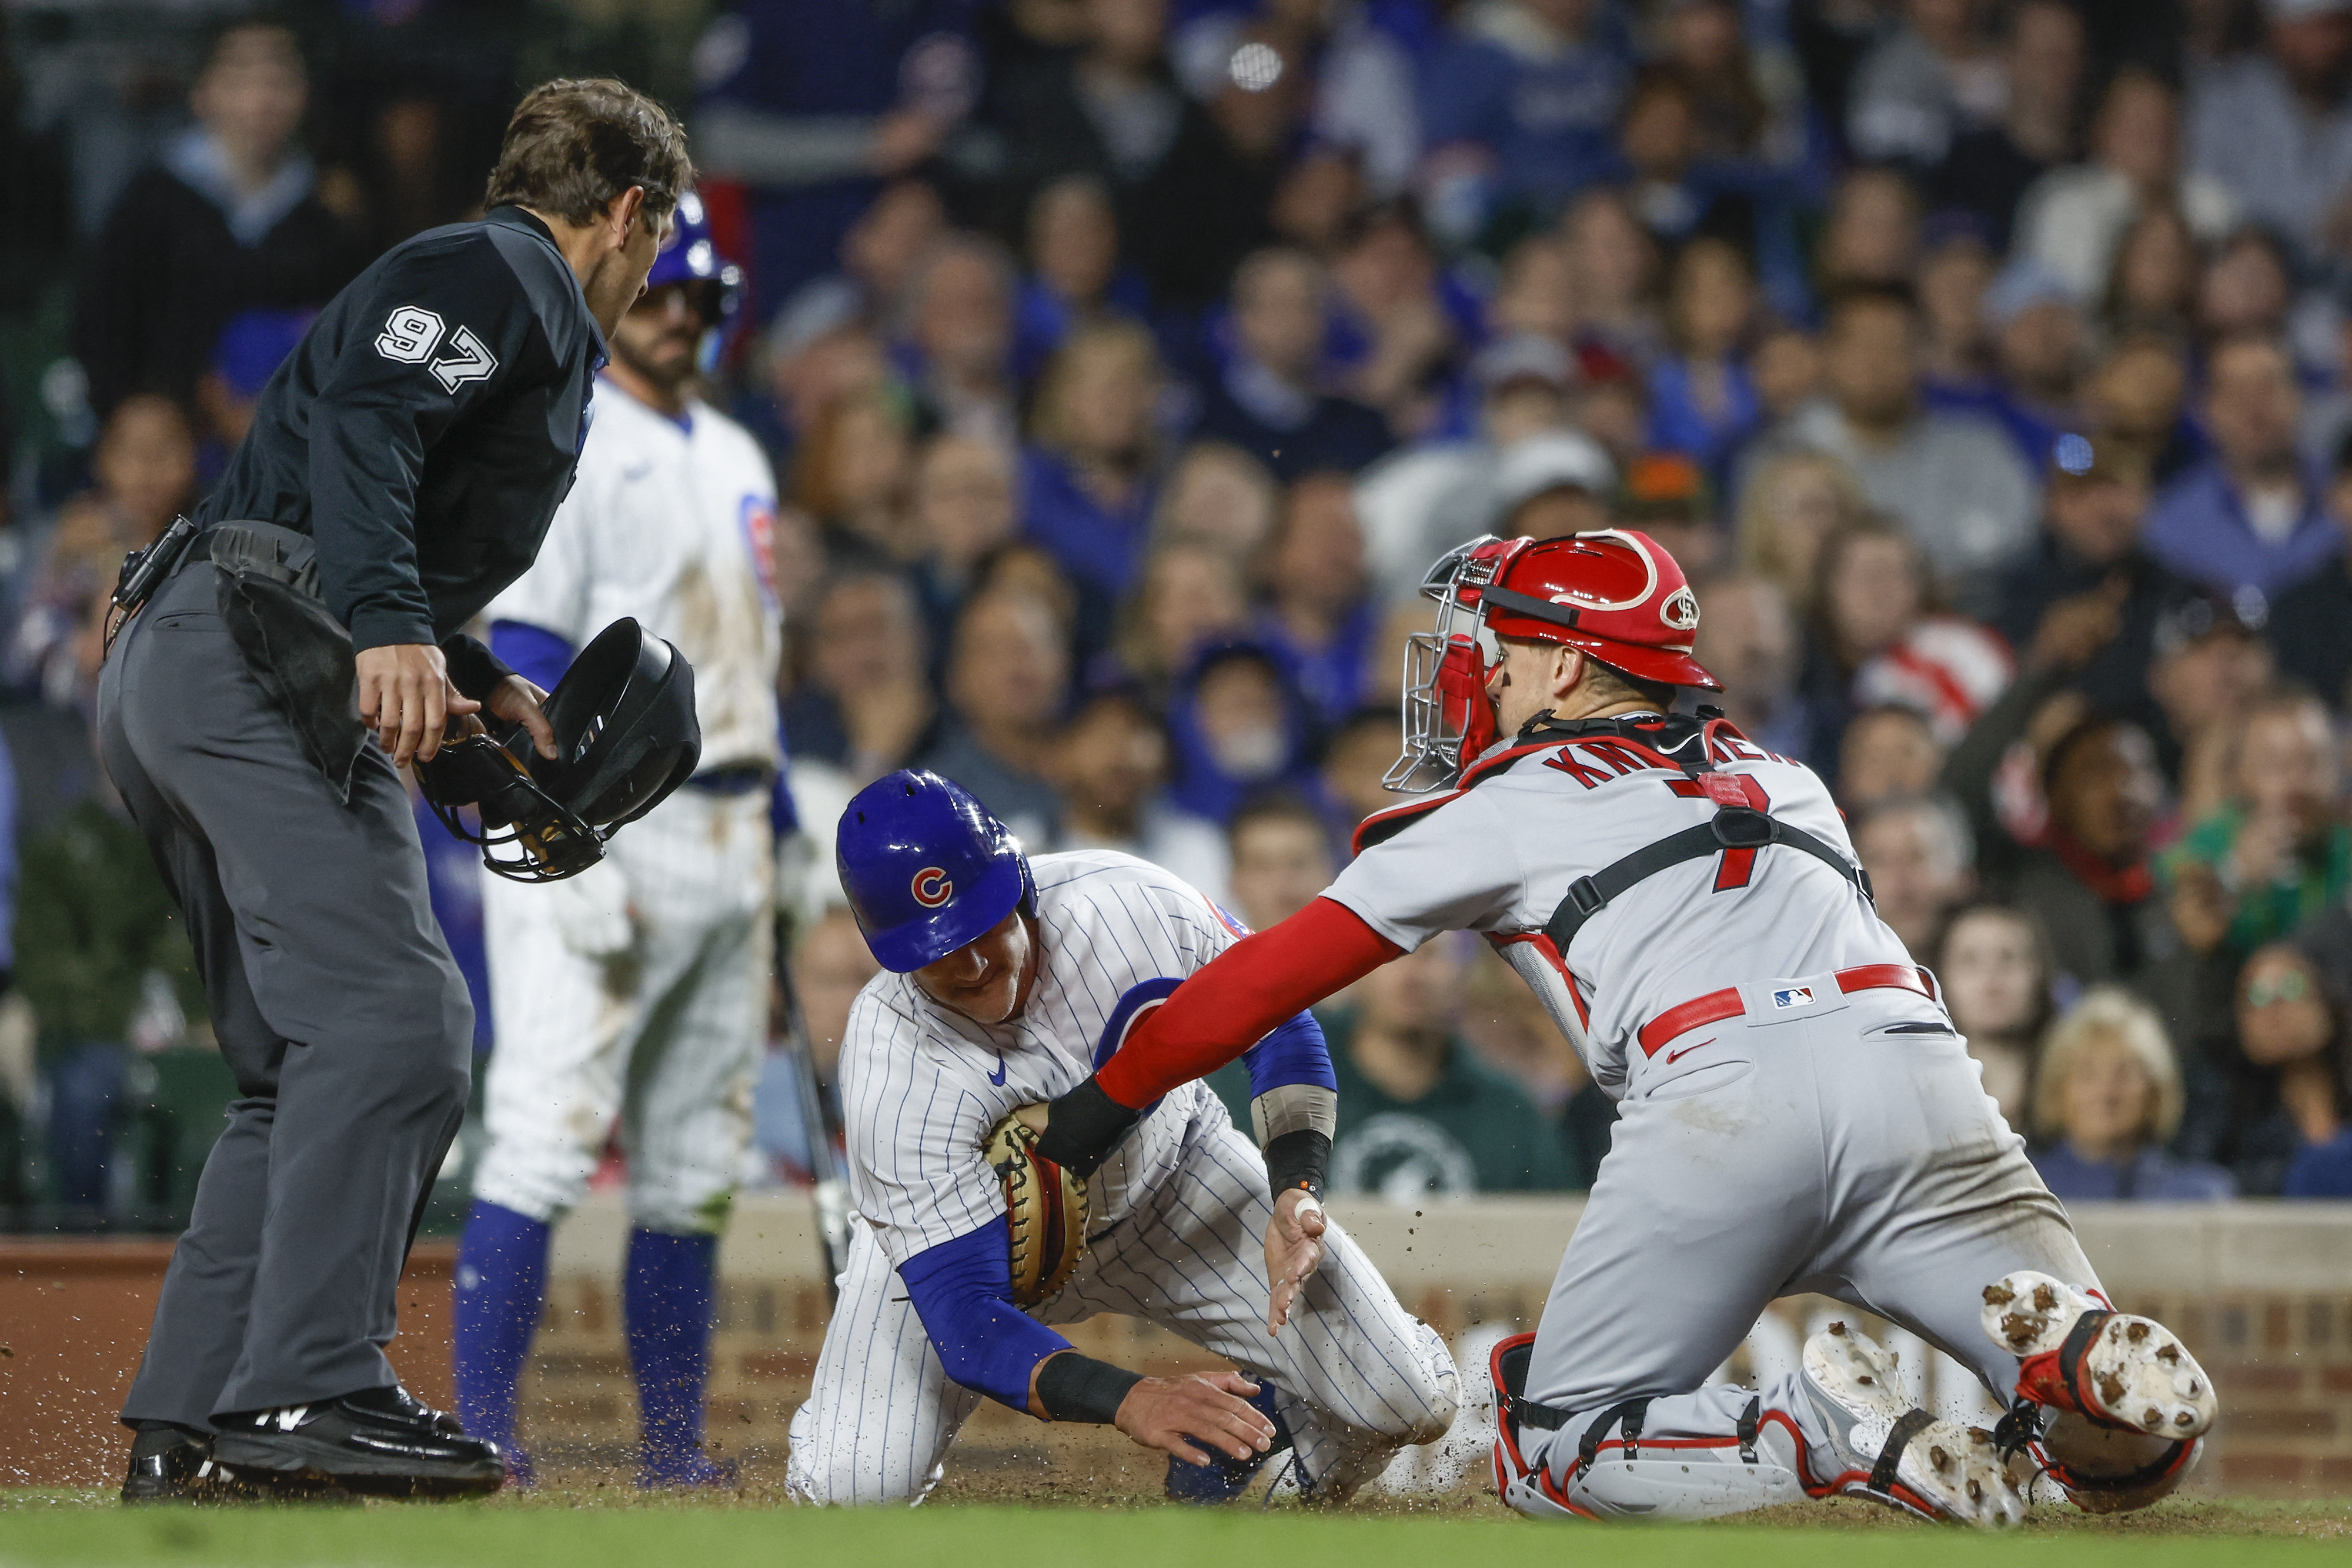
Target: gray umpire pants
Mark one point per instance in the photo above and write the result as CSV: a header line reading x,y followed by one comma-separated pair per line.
x,y
336,1004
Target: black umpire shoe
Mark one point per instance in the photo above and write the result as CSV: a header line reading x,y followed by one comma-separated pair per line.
x,y
379,1441
170,1464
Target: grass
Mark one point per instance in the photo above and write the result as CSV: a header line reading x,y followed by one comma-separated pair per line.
x,y
604,1528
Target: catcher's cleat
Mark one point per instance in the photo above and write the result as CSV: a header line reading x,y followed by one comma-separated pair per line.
x,y
2115,1368
1222,1480
1892,1452
379,1442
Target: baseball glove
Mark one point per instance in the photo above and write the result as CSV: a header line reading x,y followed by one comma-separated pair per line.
x,y
1045,1211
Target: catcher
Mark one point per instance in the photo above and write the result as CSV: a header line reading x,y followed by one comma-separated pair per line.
x,y
1006,981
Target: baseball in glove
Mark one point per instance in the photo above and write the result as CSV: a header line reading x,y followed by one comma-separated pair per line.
x,y
1045,1211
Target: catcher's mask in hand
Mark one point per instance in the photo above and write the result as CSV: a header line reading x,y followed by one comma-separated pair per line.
x,y
626,736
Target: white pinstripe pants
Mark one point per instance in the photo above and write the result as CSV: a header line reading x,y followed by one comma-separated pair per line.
x,y
665,1034
1357,1377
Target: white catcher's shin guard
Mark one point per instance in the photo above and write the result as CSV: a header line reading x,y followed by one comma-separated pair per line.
x,y
1619,1470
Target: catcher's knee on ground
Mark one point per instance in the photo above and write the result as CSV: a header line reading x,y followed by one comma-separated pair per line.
x,y
1718,1450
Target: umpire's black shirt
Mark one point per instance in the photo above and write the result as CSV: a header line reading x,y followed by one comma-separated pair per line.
x,y
427,427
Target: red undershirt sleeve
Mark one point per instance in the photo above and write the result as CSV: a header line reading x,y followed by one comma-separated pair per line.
x,y
1234,999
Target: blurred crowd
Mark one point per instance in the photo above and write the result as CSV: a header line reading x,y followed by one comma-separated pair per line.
x,y
1125,364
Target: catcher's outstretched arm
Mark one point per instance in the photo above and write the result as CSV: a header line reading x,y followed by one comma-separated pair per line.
x,y
1226,1007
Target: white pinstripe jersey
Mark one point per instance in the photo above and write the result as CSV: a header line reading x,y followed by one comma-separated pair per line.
x,y
673,524
1498,858
921,1085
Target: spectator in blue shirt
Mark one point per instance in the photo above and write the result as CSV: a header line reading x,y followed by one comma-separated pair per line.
x,y
1520,106
1320,623
2248,517
1267,401
1702,403
1074,273
813,103
2107,1099
1089,477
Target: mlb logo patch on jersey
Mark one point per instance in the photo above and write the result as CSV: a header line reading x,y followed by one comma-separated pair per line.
x,y
1793,996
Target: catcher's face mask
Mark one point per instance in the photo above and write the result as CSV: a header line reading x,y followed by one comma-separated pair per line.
x,y
526,834
626,736
1448,719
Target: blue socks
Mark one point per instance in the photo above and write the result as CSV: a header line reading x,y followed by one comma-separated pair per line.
x,y
502,1289
669,1294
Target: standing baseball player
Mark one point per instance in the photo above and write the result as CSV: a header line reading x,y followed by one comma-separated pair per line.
x,y
400,468
638,990
1007,979
1799,1114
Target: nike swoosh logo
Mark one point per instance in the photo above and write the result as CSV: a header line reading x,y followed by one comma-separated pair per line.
x,y
1675,1056
997,1077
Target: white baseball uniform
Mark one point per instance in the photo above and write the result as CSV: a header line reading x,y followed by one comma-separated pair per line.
x,y
1818,1126
638,988
1178,1213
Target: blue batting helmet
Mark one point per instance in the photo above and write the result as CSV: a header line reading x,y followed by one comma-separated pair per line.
x,y
692,257
926,867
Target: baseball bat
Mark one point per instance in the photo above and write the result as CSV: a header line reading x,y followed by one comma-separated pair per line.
x,y
821,1121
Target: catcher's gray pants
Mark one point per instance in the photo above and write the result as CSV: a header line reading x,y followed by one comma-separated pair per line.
x,y
1358,1376
1809,1147
335,1001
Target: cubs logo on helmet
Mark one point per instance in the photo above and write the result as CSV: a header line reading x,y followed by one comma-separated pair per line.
x,y
927,869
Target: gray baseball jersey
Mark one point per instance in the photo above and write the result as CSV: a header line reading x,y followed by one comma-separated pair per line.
x,y
1498,858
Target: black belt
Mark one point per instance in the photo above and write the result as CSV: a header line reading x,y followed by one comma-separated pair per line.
x,y
1732,828
743,778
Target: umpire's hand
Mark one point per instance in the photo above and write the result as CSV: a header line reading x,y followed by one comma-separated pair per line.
x,y
405,692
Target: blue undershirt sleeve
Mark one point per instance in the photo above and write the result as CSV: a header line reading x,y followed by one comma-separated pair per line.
x,y
534,653
963,1289
1293,1053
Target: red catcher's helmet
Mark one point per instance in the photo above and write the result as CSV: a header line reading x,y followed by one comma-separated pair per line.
x,y
1616,594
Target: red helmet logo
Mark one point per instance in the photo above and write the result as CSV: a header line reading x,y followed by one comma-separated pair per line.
x,y
1681,610
932,887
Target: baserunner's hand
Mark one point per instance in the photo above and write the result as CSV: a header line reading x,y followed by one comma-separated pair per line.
x,y
1294,1250
405,694
1207,1408
519,701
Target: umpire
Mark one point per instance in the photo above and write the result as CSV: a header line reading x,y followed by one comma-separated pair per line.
x,y
401,469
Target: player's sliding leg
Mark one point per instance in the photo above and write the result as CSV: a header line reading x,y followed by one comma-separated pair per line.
x,y
698,887
881,1411
1354,1376
550,1097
